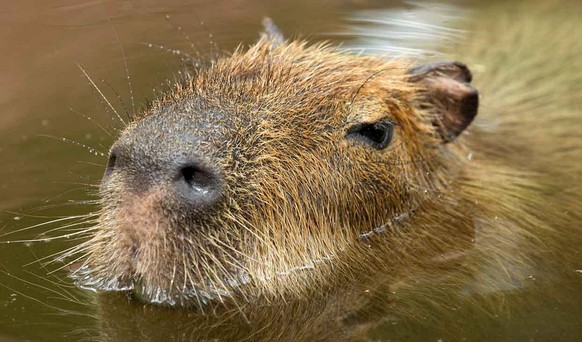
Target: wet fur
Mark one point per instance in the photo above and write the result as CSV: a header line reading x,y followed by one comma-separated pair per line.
x,y
483,210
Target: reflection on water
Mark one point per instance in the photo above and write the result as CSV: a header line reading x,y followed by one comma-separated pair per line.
x,y
421,30
44,97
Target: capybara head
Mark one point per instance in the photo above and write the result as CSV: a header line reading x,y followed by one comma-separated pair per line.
x,y
266,173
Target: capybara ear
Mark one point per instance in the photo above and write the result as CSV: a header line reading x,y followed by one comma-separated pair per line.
x,y
272,32
448,96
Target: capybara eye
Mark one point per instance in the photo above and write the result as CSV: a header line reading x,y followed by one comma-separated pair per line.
x,y
377,134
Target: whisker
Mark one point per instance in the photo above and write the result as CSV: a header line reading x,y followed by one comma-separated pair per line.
x,y
185,57
215,49
58,256
187,39
92,150
119,99
58,283
92,164
67,227
47,239
35,216
65,193
91,185
91,120
130,88
45,223
357,92
29,297
69,263
35,284
69,203
101,94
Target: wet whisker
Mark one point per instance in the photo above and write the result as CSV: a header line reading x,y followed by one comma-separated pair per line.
x,y
47,239
119,99
57,220
185,57
101,95
129,86
90,119
92,150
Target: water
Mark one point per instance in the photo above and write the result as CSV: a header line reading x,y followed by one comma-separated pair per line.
x,y
55,130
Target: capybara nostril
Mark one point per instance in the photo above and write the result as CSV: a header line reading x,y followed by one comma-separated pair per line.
x,y
120,157
111,163
197,184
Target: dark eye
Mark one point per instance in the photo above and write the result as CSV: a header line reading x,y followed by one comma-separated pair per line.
x,y
378,134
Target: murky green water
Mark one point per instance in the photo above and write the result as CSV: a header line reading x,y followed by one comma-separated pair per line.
x,y
44,98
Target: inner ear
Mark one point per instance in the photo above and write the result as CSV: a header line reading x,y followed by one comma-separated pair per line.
x,y
448,95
